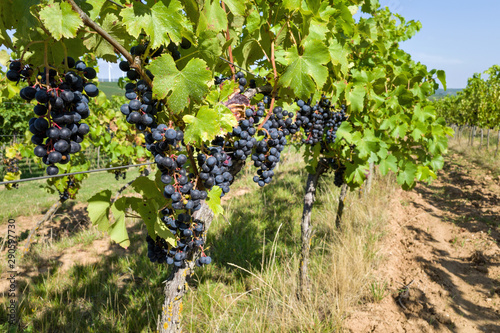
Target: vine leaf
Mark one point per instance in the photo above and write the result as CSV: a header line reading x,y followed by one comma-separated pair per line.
x,y
388,163
236,7
345,132
160,23
60,20
408,175
423,113
306,73
147,189
98,209
191,82
117,231
213,200
203,126
4,58
212,18
356,97
442,77
147,210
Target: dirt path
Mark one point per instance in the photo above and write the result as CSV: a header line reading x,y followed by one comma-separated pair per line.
x,y
444,243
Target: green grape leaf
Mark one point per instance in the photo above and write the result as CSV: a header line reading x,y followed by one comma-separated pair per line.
x,y
355,173
202,127
213,200
437,162
388,163
237,7
339,55
148,212
423,113
98,209
180,86
60,20
225,118
94,7
4,58
160,23
209,47
117,231
356,97
408,175
212,17
424,173
442,77
291,4
345,132
147,189
419,131
306,73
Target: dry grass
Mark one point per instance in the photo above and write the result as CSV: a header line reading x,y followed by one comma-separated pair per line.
x,y
341,274
480,155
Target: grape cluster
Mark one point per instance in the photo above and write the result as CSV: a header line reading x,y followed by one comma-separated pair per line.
x,y
215,168
266,154
119,173
160,252
320,121
239,78
188,233
339,170
17,72
63,196
12,164
142,108
180,187
62,104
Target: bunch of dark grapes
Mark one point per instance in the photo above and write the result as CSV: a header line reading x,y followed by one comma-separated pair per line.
x,y
189,234
12,164
338,169
119,173
320,121
215,169
180,187
239,78
142,108
243,136
62,104
17,72
165,144
266,154
63,196
188,241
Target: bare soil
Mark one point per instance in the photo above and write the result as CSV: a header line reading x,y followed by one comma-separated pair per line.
x,y
442,257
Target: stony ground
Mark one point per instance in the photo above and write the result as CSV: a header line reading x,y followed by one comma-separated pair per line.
x,y
442,272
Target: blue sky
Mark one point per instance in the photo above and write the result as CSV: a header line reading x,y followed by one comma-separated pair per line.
x,y
461,37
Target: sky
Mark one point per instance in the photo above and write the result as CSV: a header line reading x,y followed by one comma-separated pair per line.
x,y
460,37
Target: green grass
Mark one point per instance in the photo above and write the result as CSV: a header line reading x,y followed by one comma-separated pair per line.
x,y
31,198
251,285
111,89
